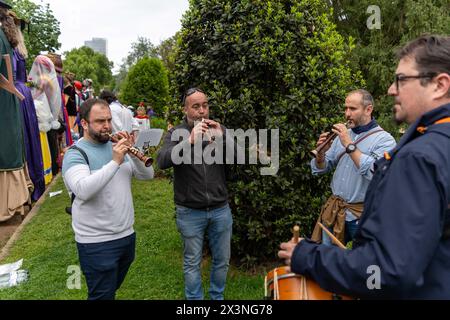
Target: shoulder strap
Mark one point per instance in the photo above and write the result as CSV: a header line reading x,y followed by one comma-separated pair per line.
x,y
83,153
359,140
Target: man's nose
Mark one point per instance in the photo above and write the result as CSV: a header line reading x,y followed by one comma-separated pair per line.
x,y
392,91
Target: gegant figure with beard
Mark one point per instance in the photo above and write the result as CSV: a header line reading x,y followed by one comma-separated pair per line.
x,y
102,212
356,147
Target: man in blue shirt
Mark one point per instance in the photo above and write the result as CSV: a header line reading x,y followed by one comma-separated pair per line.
x,y
353,154
402,247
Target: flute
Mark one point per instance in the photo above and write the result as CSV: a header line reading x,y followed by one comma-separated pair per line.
x,y
148,161
314,153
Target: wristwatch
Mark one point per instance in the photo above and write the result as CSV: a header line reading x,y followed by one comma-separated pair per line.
x,y
350,148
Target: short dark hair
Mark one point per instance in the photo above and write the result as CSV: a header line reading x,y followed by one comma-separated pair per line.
x,y
86,107
108,96
366,97
431,54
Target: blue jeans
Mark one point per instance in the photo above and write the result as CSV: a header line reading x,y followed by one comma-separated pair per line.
x,y
350,231
192,224
105,265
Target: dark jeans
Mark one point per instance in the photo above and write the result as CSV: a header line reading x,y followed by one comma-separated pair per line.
x,y
105,265
350,230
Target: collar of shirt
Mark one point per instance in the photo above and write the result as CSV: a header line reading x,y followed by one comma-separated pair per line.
x,y
360,129
426,120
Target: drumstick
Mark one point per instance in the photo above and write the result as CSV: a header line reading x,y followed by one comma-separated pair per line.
x,y
296,233
335,240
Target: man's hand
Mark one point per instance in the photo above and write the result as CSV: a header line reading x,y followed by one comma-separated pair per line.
x,y
215,130
320,159
124,135
321,140
286,250
198,131
341,130
120,149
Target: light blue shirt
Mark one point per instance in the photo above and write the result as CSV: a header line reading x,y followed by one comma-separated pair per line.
x,y
349,182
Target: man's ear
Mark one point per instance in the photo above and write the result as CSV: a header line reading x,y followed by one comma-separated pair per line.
x,y
443,85
369,108
84,124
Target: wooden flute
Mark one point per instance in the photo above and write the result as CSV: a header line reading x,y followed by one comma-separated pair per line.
x,y
148,161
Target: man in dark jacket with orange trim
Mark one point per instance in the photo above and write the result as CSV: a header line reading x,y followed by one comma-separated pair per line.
x,y
402,247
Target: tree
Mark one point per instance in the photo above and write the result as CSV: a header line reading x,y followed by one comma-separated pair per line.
x,y
268,65
140,49
147,81
44,28
374,55
85,63
166,51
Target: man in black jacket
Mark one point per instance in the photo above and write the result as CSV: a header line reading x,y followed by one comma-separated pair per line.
x,y
194,150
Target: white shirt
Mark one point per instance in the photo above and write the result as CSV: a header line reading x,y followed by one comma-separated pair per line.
x,y
122,119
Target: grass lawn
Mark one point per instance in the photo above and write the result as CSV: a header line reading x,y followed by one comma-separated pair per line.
x,y
48,248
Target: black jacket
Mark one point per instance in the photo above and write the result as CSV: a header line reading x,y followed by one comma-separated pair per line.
x,y
197,186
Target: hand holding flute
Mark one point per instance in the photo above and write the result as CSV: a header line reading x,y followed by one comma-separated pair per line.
x,y
124,145
326,139
120,149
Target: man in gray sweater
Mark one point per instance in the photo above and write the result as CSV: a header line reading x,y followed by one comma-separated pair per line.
x,y
102,211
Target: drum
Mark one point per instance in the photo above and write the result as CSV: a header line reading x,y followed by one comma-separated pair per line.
x,y
280,284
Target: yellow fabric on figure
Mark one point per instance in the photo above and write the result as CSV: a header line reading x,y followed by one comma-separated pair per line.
x,y
46,158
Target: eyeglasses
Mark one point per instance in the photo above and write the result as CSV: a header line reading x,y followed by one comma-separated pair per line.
x,y
401,77
189,92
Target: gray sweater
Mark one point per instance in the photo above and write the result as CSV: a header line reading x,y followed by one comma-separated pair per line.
x,y
103,208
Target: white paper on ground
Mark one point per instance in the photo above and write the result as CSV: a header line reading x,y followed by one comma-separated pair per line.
x,y
7,268
56,193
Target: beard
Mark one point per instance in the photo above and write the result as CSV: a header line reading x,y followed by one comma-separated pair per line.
x,y
355,123
98,136
396,116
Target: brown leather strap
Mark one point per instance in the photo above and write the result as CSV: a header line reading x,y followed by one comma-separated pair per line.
x,y
358,141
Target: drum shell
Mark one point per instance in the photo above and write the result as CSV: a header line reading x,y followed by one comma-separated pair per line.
x,y
296,287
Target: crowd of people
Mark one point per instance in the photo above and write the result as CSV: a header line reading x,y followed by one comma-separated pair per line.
x,y
41,127
392,201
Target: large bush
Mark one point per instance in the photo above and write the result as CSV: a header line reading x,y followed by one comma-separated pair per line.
x,y
268,64
147,81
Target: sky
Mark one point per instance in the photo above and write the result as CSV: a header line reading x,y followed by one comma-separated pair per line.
x,y
120,22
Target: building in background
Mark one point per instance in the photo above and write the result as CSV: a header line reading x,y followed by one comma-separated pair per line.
x,y
99,45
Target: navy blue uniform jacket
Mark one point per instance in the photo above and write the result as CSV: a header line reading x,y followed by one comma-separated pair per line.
x,y
401,229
